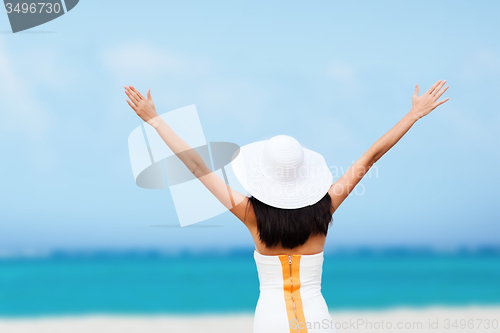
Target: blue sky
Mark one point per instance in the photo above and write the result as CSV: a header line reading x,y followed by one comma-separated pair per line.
x,y
335,75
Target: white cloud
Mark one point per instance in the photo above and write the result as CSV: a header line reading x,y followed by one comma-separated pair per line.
x,y
173,78
148,60
181,80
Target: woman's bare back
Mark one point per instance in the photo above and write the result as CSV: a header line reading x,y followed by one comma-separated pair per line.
x,y
313,245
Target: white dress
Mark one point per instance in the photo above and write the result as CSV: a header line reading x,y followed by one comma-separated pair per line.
x,y
290,295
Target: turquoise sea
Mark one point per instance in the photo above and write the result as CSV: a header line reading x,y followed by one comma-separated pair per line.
x,y
151,282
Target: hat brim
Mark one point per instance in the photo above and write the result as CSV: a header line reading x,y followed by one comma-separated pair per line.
x,y
313,181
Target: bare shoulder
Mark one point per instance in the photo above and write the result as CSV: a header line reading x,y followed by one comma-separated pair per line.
x,y
243,210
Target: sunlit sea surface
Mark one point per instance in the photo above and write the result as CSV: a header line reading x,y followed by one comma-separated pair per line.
x,y
153,282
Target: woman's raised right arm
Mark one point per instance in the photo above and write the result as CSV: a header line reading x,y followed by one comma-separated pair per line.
x,y
234,201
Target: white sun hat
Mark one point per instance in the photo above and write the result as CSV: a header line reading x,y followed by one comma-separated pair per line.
x,y
281,173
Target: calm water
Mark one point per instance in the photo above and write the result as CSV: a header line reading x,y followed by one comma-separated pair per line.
x,y
147,282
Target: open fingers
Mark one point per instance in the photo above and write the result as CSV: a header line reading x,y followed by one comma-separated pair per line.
x,y
139,95
438,104
134,93
431,89
441,92
132,105
439,86
132,96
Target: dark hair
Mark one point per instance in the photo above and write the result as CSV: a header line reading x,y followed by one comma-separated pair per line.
x,y
292,227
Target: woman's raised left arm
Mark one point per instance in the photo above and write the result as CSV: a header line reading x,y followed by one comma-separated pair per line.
x,y
421,106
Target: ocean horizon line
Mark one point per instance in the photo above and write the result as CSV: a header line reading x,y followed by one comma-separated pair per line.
x,y
154,252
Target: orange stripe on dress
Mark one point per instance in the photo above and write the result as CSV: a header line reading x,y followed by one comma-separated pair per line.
x,y
297,323
296,293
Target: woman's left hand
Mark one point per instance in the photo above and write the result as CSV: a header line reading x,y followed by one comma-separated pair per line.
x,y
423,105
144,107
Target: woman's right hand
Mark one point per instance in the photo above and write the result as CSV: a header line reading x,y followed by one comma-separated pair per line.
x,y
423,105
144,107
